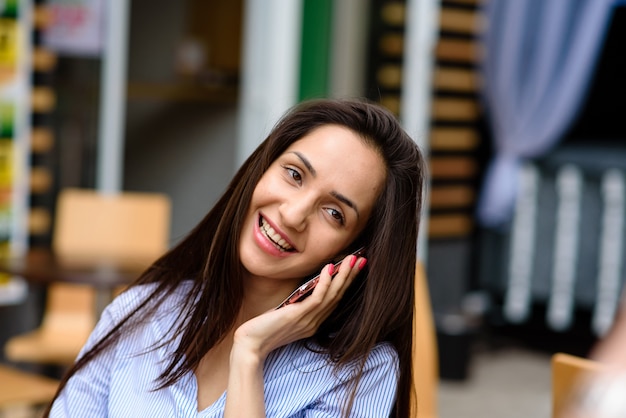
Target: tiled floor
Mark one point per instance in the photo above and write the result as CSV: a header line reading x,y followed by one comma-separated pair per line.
x,y
504,383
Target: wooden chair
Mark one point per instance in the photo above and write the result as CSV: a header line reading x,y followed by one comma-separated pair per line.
x,y
21,391
567,371
68,319
425,357
89,224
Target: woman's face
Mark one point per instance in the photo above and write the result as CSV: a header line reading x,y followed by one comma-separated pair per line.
x,y
310,204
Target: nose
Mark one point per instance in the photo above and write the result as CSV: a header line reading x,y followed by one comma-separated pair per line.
x,y
295,211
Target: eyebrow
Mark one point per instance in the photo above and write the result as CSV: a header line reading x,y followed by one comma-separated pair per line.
x,y
306,163
336,195
347,201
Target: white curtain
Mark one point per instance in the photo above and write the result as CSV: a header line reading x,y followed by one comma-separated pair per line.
x,y
539,59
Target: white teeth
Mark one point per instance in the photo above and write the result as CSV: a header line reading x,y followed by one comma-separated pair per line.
x,y
274,237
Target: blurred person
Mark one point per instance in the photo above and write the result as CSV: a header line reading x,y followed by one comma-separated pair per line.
x,y
199,332
603,394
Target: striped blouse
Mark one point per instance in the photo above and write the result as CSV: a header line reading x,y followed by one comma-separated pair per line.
x,y
298,382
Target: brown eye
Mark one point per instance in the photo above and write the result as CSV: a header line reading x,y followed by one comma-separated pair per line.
x,y
337,215
294,174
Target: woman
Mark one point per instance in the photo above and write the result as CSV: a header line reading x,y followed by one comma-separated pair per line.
x,y
198,331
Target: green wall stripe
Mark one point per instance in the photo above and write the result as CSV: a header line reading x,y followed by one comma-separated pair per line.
x,y
315,52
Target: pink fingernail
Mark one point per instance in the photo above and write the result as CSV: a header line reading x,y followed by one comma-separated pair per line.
x,y
352,261
362,263
331,269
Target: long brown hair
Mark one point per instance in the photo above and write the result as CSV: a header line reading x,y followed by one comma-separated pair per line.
x,y
377,308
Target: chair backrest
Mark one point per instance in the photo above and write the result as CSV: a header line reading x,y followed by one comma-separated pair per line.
x,y
125,227
122,225
567,371
425,357
88,224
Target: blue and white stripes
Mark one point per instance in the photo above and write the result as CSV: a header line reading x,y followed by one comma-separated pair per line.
x,y
298,382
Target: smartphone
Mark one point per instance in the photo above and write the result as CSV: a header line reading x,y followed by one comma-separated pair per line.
x,y
306,289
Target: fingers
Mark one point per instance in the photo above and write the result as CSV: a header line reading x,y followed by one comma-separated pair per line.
x,y
329,291
349,269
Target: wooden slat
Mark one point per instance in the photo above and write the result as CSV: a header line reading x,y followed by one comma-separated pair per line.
x,y
43,99
40,180
39,221
453,139
43,59
455,109
41,140
391,102
463,80
390,76
446,197
458,50
449,225
393,13
459,20
392,44
41,17
453,168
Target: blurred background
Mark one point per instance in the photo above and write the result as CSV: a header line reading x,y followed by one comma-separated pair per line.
x,y
517,105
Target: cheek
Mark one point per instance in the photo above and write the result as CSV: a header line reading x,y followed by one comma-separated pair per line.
x,y
269,189
262,190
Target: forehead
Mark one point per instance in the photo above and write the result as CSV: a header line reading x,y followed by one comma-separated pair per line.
x,y
331,139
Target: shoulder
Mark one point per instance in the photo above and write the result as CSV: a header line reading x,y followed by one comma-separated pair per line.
x,y
383,358
383,353
302,376
155,317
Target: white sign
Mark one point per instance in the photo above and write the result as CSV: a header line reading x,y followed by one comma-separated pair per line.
x,y
76,27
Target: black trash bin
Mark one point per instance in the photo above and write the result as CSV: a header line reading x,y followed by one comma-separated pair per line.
x,y
454,341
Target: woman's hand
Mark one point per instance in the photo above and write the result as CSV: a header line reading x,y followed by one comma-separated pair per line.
x,y
256,338
296,321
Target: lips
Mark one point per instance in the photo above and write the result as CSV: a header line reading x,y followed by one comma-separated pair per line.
x,y
269,232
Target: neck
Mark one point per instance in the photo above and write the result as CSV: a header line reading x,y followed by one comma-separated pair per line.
x,y
262,295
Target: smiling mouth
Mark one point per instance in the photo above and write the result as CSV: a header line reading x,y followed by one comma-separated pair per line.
x,y
273,236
